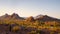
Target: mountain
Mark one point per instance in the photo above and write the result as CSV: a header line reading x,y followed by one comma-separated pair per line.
x,y
13,16
39,16
46,18
6,16
16,16
30,19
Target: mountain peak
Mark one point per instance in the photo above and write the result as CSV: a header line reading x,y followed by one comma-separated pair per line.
x,y
31,19
5,16
45,18
14,14
39,16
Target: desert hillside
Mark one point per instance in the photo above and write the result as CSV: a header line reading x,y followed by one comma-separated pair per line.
x,y
41,24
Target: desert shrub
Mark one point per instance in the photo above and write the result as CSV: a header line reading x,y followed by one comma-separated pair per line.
x,y
15,28
33,32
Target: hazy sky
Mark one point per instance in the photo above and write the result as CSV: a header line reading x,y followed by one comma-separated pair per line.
x,y
30,7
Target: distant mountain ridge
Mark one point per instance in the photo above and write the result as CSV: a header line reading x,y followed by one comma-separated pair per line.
x,y
46,18
15,16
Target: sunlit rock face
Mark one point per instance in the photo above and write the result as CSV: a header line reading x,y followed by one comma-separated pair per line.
x,y
30,19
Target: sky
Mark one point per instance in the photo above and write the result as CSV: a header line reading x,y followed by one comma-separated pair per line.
x,y
26,8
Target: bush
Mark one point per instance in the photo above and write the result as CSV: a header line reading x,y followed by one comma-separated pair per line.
x,y
15,28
